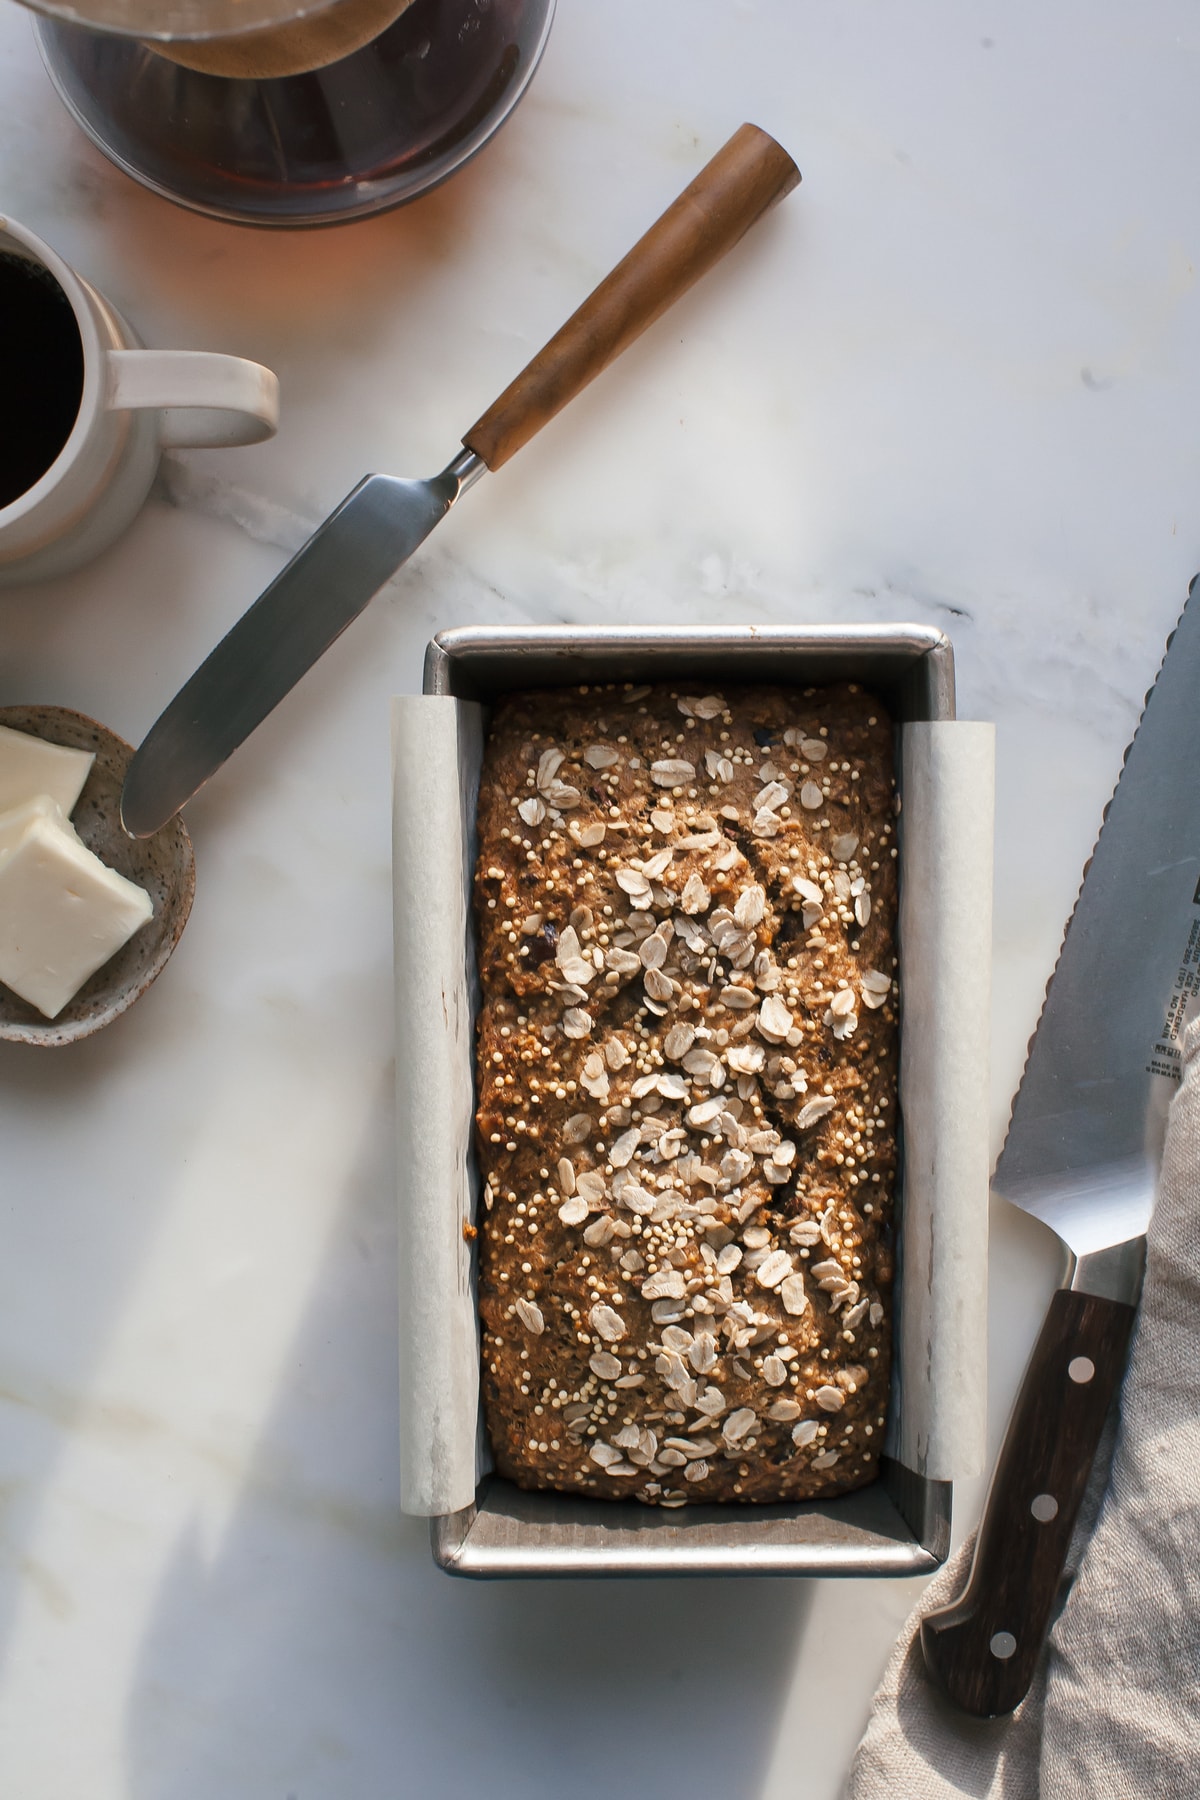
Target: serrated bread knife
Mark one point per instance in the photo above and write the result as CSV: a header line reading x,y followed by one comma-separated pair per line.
x,y
1082,1154
378,526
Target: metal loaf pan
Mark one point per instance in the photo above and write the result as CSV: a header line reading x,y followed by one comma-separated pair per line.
x,y
900,1525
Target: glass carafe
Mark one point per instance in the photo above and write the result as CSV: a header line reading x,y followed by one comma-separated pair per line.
x,y
276,112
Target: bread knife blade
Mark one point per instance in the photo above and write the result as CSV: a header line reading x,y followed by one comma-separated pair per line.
x,y
1082,1154
384,520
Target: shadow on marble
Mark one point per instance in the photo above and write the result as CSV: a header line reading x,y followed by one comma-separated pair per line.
x,y
316,1653
69,1271
291,283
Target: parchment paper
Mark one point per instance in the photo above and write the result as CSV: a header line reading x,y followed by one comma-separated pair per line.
x,y
939,1396
938,1420
437,744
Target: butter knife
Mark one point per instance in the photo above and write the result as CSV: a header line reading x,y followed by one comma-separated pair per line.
x,y
379,525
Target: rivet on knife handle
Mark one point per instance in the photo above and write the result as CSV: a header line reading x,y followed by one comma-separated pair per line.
x,y
982,1650
741,182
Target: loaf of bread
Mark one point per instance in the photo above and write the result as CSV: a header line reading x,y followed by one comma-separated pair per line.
x,y
687,1079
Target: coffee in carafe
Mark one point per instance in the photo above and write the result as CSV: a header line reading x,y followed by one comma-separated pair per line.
x,y
346,108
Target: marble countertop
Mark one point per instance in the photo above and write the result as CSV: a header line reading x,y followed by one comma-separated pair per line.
x,y
953,379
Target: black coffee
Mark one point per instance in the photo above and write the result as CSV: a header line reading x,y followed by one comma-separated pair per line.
x,y
41,373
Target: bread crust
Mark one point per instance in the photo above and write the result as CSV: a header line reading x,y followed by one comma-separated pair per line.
x,y
687,1098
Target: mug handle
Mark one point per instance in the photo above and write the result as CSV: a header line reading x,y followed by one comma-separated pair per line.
x,y
206,399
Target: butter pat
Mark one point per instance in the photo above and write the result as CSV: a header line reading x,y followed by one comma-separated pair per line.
x,y
29,766
14,821
63,912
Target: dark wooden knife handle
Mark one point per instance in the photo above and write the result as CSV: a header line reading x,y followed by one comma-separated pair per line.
x,y
982,1650
743,179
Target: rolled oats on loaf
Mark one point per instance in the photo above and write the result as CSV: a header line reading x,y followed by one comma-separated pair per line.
x,y
687,1083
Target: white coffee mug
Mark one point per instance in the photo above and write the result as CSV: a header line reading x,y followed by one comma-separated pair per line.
x,y
134,404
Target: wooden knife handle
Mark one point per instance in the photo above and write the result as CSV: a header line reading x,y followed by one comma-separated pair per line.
x,y
982,1650
749,175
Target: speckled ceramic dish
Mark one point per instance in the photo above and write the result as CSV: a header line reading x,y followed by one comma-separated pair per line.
x,y
162,864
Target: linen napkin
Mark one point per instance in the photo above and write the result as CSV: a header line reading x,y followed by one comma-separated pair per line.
x,y
1114,1711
